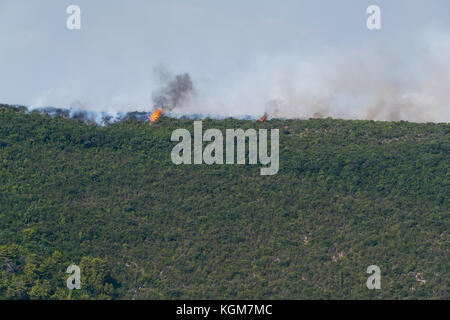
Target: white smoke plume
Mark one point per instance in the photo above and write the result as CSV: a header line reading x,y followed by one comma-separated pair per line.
x,y
373,82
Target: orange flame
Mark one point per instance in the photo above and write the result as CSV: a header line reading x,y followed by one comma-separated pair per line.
x,y
263,118
155,116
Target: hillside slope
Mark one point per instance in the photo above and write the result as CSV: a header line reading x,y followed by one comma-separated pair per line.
x,y
349,194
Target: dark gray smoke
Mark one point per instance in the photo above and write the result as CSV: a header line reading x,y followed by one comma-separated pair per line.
x,y
174,92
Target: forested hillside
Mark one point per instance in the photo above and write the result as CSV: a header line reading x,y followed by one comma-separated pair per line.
x,y
349,194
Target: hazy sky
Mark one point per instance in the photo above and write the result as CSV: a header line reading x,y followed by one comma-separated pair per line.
x,y
233,51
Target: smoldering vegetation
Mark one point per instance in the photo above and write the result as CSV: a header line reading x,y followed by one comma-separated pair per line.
x,y
174,91
104,118
91,117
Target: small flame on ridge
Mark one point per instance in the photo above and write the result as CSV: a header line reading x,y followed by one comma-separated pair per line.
x,y
263,118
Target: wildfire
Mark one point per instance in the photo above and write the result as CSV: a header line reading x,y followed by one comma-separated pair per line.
x,y
155,116
263,118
